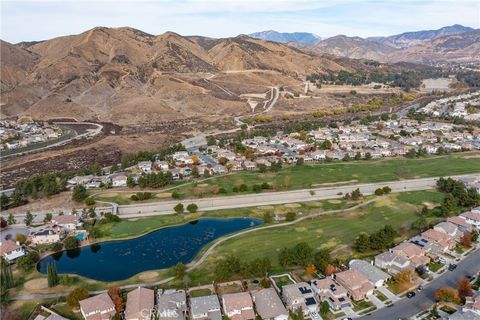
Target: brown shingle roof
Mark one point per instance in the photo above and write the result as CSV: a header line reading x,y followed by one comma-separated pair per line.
x,y
140,302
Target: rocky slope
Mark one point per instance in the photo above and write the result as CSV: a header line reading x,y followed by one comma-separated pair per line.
x,y
127,76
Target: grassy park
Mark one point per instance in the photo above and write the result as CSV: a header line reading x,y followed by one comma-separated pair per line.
x,y
317,175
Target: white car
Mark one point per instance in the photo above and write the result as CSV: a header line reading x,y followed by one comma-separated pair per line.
x,y
315,316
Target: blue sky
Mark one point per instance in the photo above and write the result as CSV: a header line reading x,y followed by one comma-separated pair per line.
x,y
38,20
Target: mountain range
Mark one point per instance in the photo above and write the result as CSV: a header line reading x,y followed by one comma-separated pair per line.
x,y
127,76
286,37
451,43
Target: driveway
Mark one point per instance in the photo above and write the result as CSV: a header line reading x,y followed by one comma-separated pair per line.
x,y
407,308
388,294
377,302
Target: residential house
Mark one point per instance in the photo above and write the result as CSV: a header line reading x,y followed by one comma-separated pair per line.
x,y
219,169
11,250
119,179
461,224
318,155
249,165
236,165
332,292
48,234
140,304
205,308
299,295
415,254
47,314
445,241
268,305
145,166
172,305
356,283
68,221
393,263
472,304
472,217
80,180
238,306
99,307
264,162
464,315
182,157
450,229
376,276
161,165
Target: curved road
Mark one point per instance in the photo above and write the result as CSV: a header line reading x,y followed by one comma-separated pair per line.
x,y
406,308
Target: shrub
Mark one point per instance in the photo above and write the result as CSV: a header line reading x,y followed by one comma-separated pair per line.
x,y
291,216
243,187
89,201
192,208
179,208
76,296
79,193
70,243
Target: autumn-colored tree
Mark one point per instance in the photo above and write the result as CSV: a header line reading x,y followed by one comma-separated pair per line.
x,y
404,279
77,295
464,288
330,269
310,269
447,294
115,294
215,189
195,159
466,240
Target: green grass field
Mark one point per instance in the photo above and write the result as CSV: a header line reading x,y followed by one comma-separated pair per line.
x,y
318,175
336,231
127,228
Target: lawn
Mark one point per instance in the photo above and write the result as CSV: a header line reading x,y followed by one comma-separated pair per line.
x,y
435,266
316,175
362,305
137,226
281,281
336,231
200,293
380,296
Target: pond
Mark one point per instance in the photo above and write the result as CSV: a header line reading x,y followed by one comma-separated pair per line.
x,y
164,248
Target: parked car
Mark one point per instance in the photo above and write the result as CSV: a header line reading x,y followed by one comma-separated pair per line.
x,y
452,266
419,289
411,294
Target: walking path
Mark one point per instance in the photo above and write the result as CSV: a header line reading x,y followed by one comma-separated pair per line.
x,y
197,263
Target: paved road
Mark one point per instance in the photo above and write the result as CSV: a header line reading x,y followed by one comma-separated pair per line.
x,y
271,198
409,307
261,199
